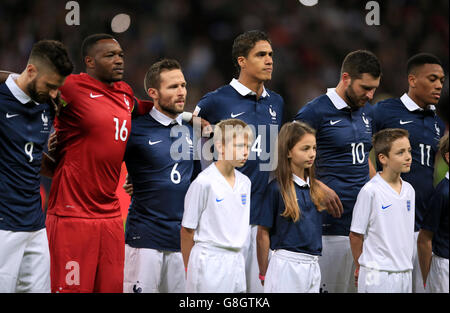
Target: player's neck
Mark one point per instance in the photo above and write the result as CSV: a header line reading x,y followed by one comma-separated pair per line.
x,y
254,85
166,113
22,82
416,100
93,75
392,178
227,170
340,90
298,171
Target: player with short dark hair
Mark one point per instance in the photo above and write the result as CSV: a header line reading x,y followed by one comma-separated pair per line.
x,y
342,119
26,117
246,99
415,111
160,163
84,221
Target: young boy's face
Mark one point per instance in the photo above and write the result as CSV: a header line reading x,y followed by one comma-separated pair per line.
x,y
399,158
235,150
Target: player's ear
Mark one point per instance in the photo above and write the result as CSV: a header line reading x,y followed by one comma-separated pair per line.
x,y
241,60
89,61
153,93
32,71
382,158
345,77
412,80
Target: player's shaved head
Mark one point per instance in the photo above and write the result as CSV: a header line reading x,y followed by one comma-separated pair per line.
x,y
90,41
420,59
51,55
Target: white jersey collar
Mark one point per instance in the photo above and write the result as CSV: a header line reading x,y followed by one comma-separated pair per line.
x,y
164,119
412,106
244,91
18,93
337,101
300,182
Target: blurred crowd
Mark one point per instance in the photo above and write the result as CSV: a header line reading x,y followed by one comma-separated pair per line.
x,y
309,42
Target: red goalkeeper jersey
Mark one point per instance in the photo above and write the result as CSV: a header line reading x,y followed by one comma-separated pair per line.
x,y
93,129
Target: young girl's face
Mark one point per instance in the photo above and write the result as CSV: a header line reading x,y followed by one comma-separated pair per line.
x,y
303,154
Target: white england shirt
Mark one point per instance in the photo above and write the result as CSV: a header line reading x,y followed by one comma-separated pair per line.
x,y
386,219
219,213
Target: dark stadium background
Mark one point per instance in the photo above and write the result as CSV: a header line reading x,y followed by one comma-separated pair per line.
x,y
309,42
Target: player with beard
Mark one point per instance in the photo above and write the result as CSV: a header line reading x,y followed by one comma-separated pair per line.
x,y
343,121
26,117
161,166
84,221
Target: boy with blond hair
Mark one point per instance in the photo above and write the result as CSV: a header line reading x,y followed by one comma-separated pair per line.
x,y
216,216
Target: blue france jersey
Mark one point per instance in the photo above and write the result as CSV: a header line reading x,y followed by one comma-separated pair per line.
x,y
305,235
264,116
425,129
344,139
24,131
161,178
436,219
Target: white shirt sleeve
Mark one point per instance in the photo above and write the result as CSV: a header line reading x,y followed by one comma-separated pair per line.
x,y
194,204
361,211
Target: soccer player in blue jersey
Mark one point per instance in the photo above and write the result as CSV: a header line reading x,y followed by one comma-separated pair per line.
x,y
342,119
415,112
160,164
246,99
26,117
432,242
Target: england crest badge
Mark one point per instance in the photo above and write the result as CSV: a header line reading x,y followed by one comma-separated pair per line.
x,y
243,198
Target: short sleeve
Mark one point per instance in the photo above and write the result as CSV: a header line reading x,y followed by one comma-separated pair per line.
x,y
361,211
432,216
377,124
269,206
68,90
204,106
194,204
308,115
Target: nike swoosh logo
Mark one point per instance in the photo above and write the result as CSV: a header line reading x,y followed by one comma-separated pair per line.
x,y
11,115
219,200
334,122
95,96
153,143
385,207
236,115
405,122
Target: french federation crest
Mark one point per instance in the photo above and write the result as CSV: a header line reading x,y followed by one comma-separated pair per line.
x,y
273,113
243,198
408,205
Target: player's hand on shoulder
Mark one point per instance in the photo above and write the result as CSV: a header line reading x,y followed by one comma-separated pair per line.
x,y
52,144
128,187
205,126
58,103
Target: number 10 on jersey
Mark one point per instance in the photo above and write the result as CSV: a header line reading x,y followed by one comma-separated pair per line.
x,y
121,133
